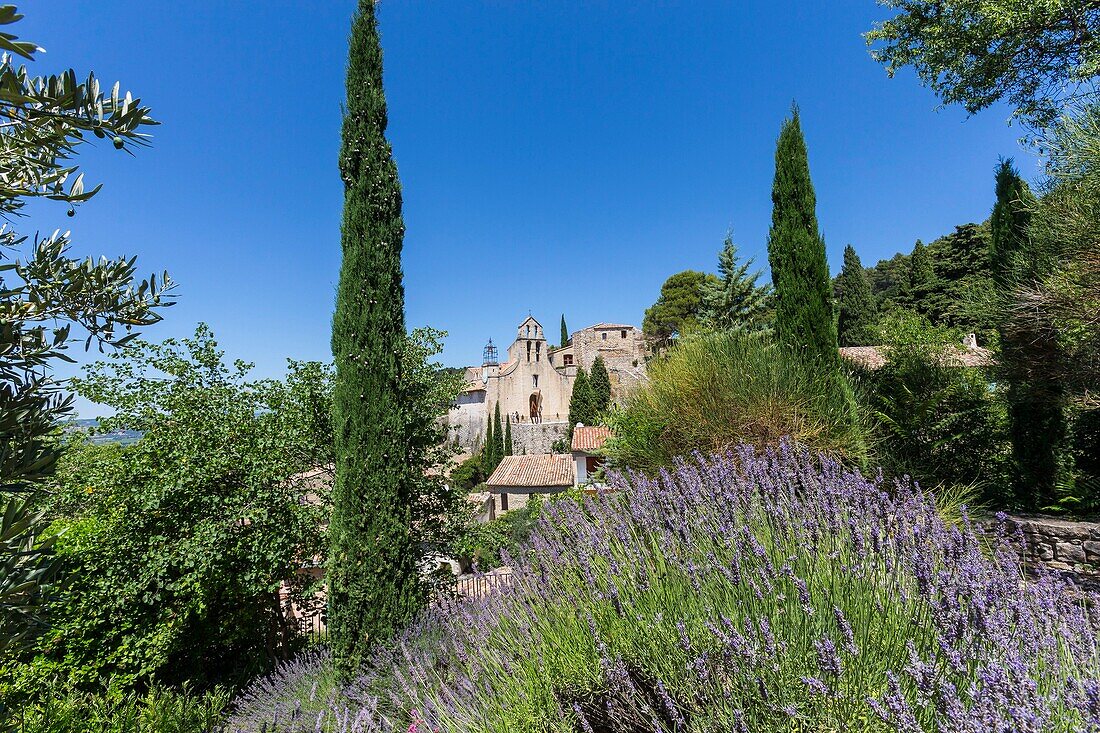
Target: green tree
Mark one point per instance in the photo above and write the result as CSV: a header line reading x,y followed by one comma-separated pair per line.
x,y
489,457
736,301
498,436
920,280
600,382
679,307
565,340
857,314
509,449
804,317
1036,398
44,293
582,403
175,546
373,584
1037,57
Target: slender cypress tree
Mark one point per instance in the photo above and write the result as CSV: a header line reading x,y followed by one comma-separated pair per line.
x,y
498,437
488,452
800,273
373,585
1036,399
736,302
509,449
857,310
564,332
600,382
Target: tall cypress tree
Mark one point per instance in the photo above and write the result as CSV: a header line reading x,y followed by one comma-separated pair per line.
x,y
373,585
498,437
509,449
488,452
1036,399
796,252
857,312
564,332
600,382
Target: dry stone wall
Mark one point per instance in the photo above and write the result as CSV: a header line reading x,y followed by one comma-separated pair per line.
x,y
1060,544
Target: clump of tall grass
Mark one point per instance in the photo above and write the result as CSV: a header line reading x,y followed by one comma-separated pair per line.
x,y
717,390
752,591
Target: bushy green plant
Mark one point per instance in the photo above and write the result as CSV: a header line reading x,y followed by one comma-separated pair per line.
x,y
716,390
115,710
935,420
469,473
482,544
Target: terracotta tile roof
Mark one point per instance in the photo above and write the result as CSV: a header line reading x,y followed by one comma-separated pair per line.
x,y
587,440
874,357
533,471
474,387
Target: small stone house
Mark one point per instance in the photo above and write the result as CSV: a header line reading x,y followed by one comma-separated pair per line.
x,y
526,475
587,445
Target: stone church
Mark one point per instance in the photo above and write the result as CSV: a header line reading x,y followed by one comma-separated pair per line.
x,y
535,382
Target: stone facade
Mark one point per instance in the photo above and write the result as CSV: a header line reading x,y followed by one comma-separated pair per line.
x,y
535,383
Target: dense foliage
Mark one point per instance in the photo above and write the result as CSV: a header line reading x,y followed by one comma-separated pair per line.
x,y
1034,56
175,547
952,295
583,408
717,390
680,306
747,592
373,586
935,421
114,710
804,317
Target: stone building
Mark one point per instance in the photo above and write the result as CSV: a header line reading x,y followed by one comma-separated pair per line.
x,y
535,382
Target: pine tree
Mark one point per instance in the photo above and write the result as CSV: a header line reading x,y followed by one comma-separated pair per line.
x,y
498,437
800,273
857,312
736,302
582,404
373,584
1036,399
509,449
565,340
600,381
920,280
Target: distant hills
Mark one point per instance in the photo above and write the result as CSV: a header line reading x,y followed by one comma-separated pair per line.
x,y
121,437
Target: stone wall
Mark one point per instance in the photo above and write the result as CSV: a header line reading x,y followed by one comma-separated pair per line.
x,y
534,439
1061,544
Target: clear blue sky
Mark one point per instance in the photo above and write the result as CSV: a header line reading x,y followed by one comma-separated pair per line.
x,y
555,156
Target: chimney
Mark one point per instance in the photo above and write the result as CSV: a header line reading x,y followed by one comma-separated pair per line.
x,y
971,341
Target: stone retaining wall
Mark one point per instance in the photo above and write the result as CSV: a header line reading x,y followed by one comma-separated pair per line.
x,y
1061,544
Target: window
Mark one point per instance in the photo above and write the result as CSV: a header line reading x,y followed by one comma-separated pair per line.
x,y
538,349
604,334
622,333
528,351
567,360
534,381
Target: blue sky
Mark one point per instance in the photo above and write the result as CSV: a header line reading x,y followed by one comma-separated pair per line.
x,y
556,156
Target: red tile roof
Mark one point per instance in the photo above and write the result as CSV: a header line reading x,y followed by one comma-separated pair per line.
x,y
533,471
587,440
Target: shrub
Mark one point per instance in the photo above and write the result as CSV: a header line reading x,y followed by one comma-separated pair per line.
x,y
940,423
486,544
751,591
469,473
160,710
716,390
